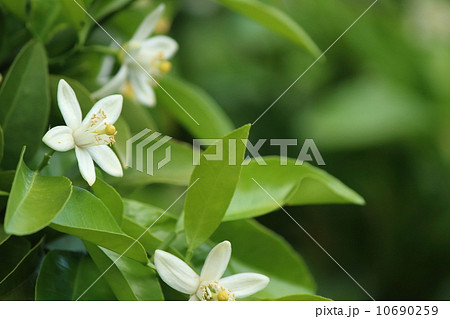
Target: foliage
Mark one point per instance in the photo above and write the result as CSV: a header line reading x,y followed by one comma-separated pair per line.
x,y
48,209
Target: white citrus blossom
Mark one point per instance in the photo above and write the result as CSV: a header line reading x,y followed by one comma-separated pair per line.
x,y
148,57
89,137
209,285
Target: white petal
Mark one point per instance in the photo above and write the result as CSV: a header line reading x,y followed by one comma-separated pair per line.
x,y
86,165
141,86
111,105
245,284
148,24
194,298
105,157
114,85
105,69
216,263
59,138
176,273
159,44
69,106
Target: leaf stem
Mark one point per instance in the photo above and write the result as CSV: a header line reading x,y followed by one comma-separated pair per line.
x,y
101,49
169,239
45,160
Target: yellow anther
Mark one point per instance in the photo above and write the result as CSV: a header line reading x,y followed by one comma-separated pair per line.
x,y
128,90
110,129
223,296
165,66
162,26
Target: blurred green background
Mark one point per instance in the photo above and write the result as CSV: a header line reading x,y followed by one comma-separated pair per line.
x,y
378,108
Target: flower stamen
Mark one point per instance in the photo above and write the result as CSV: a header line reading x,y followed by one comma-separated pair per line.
x,y
212,291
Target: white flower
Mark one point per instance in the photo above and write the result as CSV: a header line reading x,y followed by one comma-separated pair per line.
x,y
209,285
148,57
89,137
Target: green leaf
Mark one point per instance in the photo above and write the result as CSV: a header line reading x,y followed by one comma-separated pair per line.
x,y
3,235
2,144
12,251
176,172
6,180
110,197
147,215
101,9
128,279
146,237
83,95
123,134
271,256
66,275
212,122
34,200
138,115
27,262
275,20
25,103
366,113
303,297
73,13
290,184
17,7
85,216
47,17
215,183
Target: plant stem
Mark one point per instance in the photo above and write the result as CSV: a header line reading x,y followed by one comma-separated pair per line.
x,y
45,160
169,239
101,49
189,255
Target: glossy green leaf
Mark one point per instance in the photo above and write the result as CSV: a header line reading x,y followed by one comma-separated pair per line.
x,y
146,215
6,180
258,249
275,20
27,263
110,197
34,200
290,184
215,182
17,7
304,297
66,275
85,216
128,279
25,103
211,120
176,172
146,237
